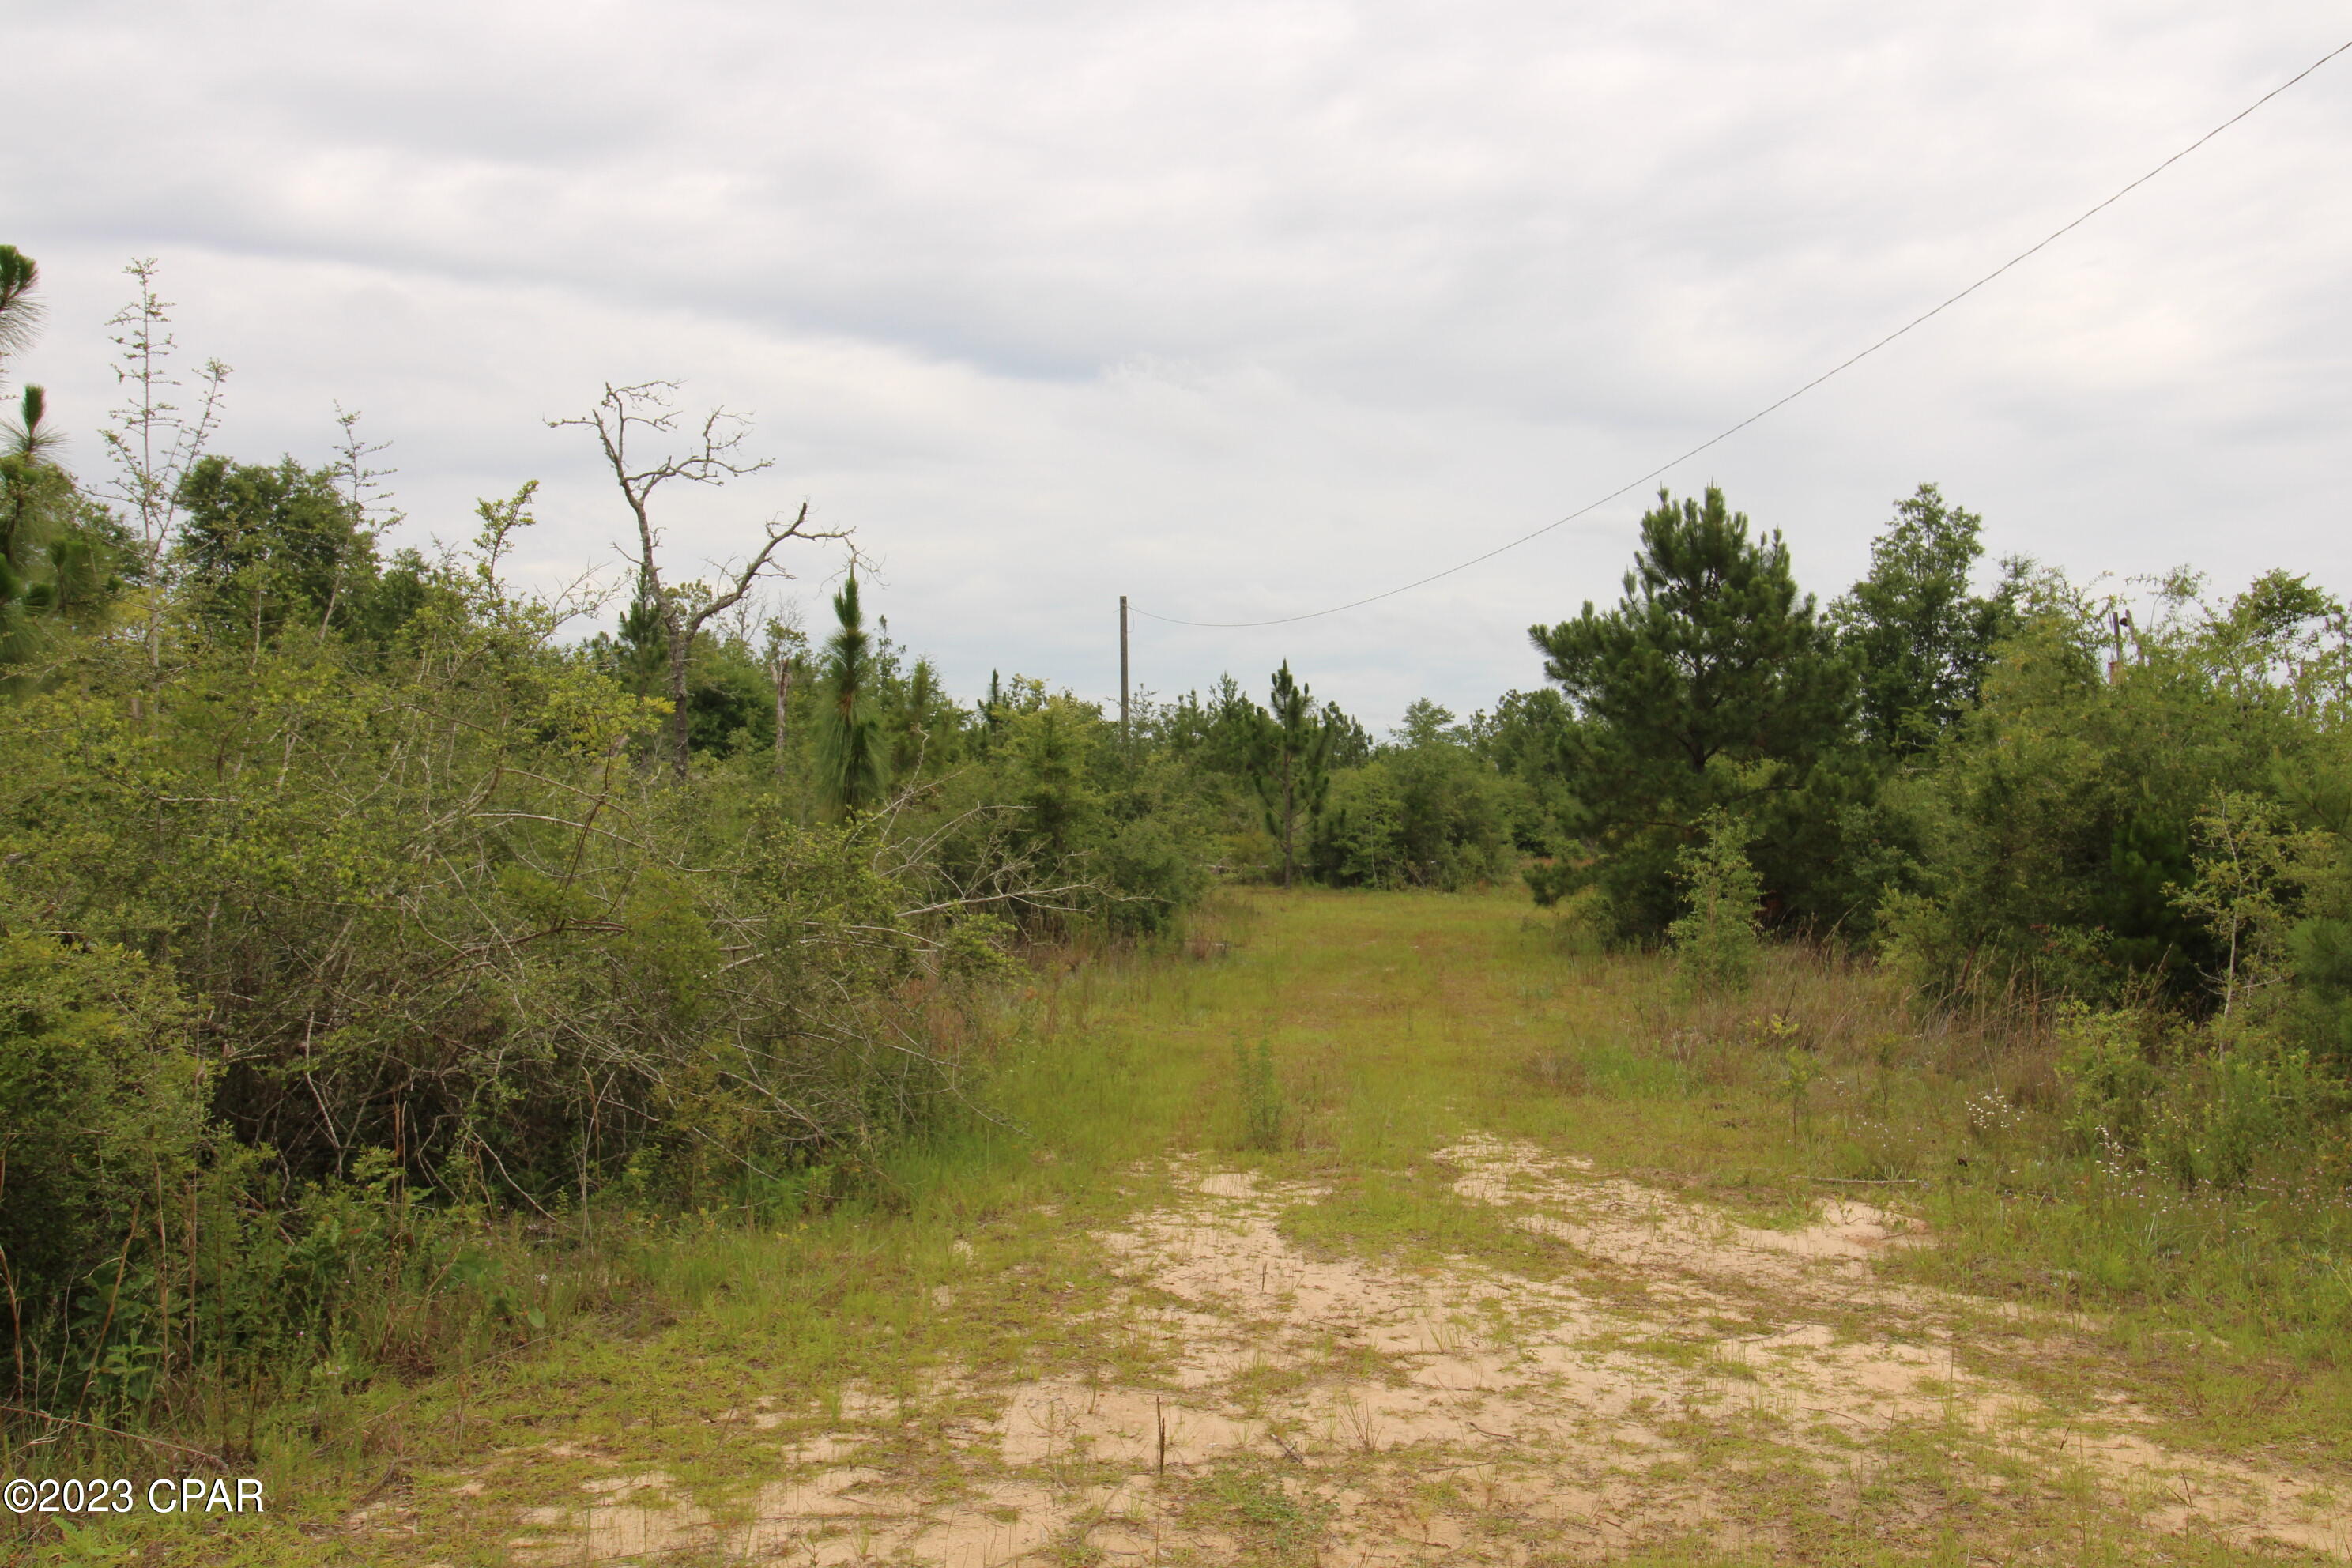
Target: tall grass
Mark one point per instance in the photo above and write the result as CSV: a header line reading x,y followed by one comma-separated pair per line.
x,y
1392,1025
2234,1293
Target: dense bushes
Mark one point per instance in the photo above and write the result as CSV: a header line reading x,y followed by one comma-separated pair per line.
x,y
2037,808
345,907
2012,805
1428,811
2059,821
324,915
103,1101
2197,1105
1047,818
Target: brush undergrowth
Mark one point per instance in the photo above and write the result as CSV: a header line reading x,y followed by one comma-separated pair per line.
x,y
1380,1028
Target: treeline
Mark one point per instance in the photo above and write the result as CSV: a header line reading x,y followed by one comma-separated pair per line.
x,y
2117,818
2016,793
1996,782
2133,841
349,897
2011,789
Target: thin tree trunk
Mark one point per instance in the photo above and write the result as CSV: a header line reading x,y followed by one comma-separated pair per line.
x,y
1290,814
783,696
678,650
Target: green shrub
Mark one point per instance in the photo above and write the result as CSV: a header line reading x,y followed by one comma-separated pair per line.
x,y
2111,1085
1715,940
2202,1105
102,1124
1430,812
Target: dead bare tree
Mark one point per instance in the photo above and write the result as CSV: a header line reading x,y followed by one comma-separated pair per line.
x,y
786,647
648,411
153,441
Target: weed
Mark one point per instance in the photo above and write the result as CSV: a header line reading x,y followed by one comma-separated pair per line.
x,y
1264,1116
1258,1506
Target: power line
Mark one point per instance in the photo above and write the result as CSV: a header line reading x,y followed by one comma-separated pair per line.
x,y
1845,364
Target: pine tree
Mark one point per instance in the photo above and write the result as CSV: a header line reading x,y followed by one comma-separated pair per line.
x,y
922,724
851,771
20,311
1711,684
1292,766
59,554
26,502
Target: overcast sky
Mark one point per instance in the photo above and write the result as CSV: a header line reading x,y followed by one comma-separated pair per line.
x,y
1241,310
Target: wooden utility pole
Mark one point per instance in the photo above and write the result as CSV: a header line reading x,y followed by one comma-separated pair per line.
x,y
1122,669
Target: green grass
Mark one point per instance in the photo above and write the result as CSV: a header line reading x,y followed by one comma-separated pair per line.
x,y
1391,1026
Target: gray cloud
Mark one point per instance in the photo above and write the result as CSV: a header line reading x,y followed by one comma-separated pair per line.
x,y
1241,309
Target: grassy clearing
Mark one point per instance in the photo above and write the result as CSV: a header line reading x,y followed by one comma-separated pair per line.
x,y
1339,1040
2226,1311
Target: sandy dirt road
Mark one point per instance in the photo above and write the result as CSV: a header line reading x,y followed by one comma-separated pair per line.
x,y
1690,1389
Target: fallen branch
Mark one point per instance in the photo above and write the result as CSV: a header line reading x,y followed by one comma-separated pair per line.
x,y
1872,1181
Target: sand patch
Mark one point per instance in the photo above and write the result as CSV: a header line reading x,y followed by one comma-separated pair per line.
x,y
1374,1413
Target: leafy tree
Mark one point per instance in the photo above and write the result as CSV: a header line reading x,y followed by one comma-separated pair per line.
x,y
2059,821
1291,767
730,698
1920,637
1429,810
262,547
1522,741
1426,723
852,761
2318,944
1059,825
1351,744
2247,865
1712,684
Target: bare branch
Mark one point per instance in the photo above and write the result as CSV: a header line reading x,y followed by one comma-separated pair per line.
x,y
626,420
740,581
